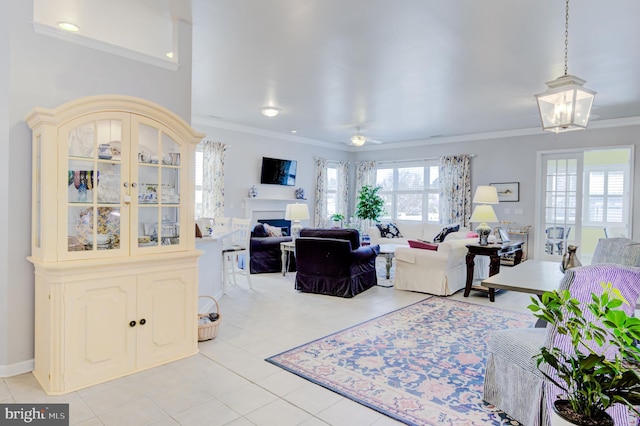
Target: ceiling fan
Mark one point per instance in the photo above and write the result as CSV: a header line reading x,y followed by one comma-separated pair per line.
x,y
359,140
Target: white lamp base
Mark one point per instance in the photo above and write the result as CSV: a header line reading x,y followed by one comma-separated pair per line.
x,y
295,229
483,231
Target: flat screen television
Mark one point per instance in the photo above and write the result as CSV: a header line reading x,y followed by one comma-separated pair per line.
x,y
278,172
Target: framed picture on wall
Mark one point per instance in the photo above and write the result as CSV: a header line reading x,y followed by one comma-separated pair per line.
x,y
507,191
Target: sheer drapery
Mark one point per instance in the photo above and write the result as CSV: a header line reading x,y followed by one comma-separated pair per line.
x,y
342,199
455,189
213,178
320,211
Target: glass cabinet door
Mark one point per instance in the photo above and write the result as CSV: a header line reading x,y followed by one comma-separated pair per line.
x,y
158,181
94,178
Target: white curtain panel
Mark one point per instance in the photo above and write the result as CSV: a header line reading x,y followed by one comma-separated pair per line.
x,y
455,189
320,211
213,154
365,175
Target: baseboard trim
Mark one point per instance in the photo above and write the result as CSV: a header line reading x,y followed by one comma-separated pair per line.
x,y
17,368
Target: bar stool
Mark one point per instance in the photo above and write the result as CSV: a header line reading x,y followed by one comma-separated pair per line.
x,y
240,239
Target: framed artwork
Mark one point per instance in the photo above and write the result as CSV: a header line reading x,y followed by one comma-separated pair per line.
x,y
507,191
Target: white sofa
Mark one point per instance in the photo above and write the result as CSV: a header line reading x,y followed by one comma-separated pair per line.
x,y
442,272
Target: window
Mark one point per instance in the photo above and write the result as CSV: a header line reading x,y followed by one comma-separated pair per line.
x,y
332,190
410,191
605,201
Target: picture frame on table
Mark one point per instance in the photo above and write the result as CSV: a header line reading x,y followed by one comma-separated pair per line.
x,y
507,191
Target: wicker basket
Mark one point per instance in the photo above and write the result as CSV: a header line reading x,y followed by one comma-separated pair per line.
x,y
209,330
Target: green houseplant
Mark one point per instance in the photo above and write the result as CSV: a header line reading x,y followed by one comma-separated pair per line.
x,y
337,219
590,382
370,205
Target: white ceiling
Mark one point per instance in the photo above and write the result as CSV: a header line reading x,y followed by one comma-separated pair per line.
x,y
408,69
401,70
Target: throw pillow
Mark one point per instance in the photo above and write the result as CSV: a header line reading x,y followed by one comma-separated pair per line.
x,y
389,230
445,231
423,245
472,235
273,231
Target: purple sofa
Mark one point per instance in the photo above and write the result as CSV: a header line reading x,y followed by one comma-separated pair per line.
x,y
265,251
331,261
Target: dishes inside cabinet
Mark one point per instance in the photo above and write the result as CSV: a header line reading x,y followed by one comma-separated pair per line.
x,y
116,150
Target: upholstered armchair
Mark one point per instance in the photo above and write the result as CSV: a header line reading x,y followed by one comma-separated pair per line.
x,y
331,261
617,250
513,383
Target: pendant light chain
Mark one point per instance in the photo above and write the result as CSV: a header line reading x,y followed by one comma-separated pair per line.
x,y
566,38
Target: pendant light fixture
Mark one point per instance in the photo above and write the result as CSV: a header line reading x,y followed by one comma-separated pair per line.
x,y
358,139
566,105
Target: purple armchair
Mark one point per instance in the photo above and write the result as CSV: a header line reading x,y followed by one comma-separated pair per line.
x,y
331,261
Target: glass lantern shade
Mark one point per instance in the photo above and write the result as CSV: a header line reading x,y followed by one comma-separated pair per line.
x,y
566,105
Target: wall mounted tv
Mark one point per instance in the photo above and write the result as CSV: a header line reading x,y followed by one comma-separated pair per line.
x,y
278,172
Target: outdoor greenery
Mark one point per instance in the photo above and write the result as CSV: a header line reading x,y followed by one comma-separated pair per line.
x,y
591,382
370,204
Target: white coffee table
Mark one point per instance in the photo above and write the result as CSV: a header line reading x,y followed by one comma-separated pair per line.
x,y
387,251
286,248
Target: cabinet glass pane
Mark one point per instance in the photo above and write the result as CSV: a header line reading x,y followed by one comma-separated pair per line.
x,y
82,141
109,183
170,151
81,181
148,151
148,226
109,139
93,228
170,188
38,195
170,230
148,184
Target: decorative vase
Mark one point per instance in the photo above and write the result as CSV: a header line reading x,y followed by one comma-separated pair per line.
x,y
253,192
300,194
570,259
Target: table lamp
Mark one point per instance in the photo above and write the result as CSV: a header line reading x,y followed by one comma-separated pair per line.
x,y
485,195
296,212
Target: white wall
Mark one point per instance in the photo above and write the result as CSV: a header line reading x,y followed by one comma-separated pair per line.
x,y
38,71
243,164
513,159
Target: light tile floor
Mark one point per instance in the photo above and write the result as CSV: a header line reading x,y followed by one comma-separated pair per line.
x,y
228,382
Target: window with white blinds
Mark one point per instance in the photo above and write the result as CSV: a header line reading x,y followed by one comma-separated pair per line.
x,y
605,200
410,192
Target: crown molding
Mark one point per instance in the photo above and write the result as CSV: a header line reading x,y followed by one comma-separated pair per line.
x,y
532,131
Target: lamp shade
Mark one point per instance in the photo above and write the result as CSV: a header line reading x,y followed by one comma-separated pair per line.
x,y
296,211
486,194
566,105
483,214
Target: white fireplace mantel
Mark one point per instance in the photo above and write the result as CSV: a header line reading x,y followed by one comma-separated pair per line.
x,y
267,208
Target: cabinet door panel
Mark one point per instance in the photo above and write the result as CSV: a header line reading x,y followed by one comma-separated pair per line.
x,y
167,302
99,341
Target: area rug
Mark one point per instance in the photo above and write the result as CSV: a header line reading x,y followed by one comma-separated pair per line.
x,y
421,365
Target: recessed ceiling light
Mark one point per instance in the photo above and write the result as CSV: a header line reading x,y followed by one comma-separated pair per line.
x,y
170,55
294,131
68,26
270,111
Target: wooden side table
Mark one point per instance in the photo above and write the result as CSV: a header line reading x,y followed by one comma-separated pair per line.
x,y
495,252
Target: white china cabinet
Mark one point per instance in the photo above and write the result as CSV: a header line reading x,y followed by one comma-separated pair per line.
x,y
113,240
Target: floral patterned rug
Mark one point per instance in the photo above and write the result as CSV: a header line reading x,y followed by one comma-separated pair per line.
x,y
421,365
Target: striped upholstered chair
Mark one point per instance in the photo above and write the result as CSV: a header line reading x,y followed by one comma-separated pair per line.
x,y
512,381
617,250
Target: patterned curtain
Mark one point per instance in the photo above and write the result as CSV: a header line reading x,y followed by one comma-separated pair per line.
x,y
320,213
342,201
455,189
365,174
213,178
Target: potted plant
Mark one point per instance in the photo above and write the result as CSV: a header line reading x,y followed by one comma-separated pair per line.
x,y
590,382
370,205
337,219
